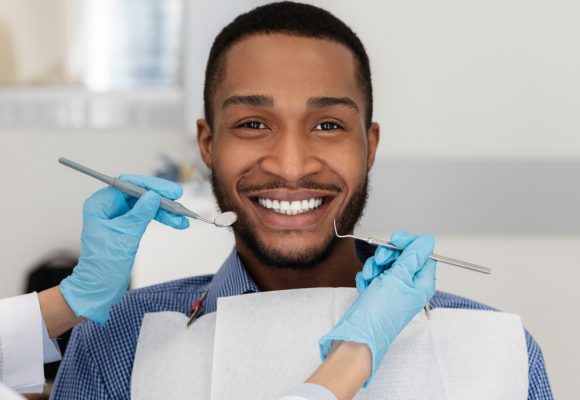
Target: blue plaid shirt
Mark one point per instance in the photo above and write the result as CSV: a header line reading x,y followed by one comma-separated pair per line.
x,y
98,361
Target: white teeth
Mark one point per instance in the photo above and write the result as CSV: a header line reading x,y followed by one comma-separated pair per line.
x,y
290,208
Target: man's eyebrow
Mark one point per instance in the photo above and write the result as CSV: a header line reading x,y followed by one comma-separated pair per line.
x,y
257,100
322,102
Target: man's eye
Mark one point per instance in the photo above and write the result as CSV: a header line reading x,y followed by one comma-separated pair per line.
x,y
327,126
252,125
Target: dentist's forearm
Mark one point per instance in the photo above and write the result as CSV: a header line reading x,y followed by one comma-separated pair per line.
x,y
57,314
345,369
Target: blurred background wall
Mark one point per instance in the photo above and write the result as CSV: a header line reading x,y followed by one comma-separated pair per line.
x,y
479,108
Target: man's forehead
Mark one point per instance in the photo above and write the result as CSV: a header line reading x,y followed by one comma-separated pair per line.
x,y
262,63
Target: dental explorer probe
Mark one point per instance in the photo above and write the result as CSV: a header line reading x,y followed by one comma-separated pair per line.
x,y
435,257
221,221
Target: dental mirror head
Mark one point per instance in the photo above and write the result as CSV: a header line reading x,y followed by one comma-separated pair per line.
x,y
225,219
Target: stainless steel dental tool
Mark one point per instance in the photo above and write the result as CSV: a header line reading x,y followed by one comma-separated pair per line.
x,y
435,257
221,221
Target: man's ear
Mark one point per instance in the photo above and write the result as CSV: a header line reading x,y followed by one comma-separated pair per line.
x,y
204,141
373,136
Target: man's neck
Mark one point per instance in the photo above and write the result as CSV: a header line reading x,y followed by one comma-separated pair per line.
x,y
338,270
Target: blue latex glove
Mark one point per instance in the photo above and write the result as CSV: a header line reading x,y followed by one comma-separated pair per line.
x,y
113,224
393,289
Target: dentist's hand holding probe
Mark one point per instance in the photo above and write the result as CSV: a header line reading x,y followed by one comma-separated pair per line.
x,y
393,288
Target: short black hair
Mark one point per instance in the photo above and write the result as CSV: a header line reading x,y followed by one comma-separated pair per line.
x,y
290,18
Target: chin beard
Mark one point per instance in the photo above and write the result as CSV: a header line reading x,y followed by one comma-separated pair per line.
x,y
298,259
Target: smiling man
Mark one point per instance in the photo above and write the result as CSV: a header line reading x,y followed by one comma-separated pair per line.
x,y
289,143
289,139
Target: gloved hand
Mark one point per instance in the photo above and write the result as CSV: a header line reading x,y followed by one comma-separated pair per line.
x,y
113,224
393,289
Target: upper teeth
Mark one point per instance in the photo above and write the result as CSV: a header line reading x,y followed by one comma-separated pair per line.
x,y
290,207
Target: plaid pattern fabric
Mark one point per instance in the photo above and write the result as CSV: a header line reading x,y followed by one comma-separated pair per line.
x,y
99,360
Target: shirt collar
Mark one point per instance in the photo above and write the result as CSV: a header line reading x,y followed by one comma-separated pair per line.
x,y
232,279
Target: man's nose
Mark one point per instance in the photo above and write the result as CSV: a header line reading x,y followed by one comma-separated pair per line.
x,y
292,156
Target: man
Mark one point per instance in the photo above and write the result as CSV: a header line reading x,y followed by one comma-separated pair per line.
x,y
289,138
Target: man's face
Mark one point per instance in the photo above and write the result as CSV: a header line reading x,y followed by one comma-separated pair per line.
x,y
289,151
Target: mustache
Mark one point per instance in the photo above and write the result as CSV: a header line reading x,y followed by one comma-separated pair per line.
x,y
280,183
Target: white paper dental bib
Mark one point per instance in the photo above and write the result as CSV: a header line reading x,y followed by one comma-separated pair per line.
x,y
257,346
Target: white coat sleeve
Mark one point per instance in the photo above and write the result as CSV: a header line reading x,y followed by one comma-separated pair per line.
x,y
24,343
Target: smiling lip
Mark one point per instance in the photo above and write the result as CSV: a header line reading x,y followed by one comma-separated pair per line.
x,y
291,209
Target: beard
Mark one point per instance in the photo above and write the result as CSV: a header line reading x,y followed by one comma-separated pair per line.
x,y
297,259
